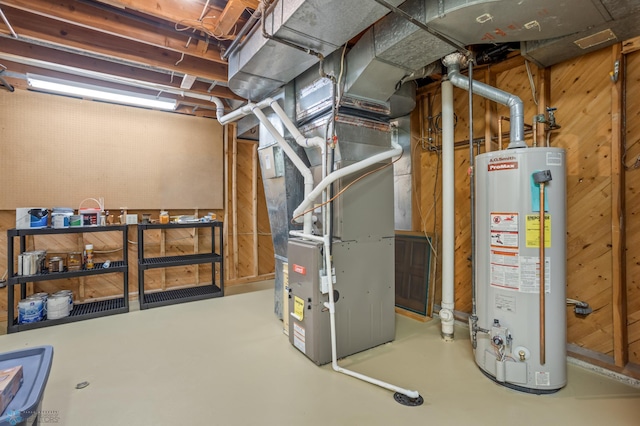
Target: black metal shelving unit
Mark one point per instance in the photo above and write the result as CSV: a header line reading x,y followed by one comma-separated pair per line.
x,y
170,297
81,311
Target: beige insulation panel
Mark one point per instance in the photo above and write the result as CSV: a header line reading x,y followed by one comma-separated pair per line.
x,y
57,151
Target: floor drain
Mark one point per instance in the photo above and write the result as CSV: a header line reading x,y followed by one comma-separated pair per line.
x,y
405,400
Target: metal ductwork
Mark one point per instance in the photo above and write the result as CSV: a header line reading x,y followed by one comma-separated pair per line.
x,y
453,63
619,22
392,51
262,65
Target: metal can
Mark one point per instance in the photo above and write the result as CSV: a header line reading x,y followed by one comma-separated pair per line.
x,y
56,264
44,296
30,310
68,294
58,306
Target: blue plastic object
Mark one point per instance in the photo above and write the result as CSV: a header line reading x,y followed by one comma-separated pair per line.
x,y
26,405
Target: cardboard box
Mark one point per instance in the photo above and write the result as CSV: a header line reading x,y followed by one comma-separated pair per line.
x,y
10,382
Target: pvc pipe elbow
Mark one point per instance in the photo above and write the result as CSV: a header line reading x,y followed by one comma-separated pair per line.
x,y
446,315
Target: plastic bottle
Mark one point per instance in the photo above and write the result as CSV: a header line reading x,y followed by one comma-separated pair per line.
x,y
88,256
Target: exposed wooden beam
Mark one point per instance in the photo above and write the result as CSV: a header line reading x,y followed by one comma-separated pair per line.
x,y
631,45
171,10
225,21
111,47
84,15
619,288
25,50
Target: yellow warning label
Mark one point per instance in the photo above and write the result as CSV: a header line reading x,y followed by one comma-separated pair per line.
x,y
532,227
298,308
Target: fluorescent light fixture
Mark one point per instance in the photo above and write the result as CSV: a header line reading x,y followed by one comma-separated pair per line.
x,y
50,85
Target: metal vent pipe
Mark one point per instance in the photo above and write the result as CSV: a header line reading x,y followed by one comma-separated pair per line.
x,y
454,61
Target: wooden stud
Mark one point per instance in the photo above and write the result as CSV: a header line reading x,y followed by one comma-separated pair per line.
x,y
163,252
544,96
254,191
490,111
81,280
620,347
225,225
417,133
234,200
196,246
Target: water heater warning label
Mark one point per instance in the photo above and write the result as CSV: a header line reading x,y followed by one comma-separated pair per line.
x,y
504,230
542,378
505,303
505,269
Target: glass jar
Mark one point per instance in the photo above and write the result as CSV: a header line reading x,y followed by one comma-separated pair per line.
x,y
164,217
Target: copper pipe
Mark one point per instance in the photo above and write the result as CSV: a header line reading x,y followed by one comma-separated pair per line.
x,y
542,283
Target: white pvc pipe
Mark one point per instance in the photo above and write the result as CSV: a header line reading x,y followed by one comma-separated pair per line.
x,y
304,170
311,237
300,139
6,22
397,150
448,212
331,305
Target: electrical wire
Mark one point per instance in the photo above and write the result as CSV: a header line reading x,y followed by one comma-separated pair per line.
x,y
347,187
199,25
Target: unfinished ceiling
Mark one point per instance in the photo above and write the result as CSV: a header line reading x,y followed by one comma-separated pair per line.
x,y
183,44
176,43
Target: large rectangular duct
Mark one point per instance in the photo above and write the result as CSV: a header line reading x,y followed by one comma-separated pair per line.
x,y
263,65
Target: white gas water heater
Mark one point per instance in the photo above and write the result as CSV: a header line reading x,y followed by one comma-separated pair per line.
x,y
520,333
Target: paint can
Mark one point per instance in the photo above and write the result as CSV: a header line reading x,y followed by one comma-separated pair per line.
x,y
44,296
30,310
61,217
56,264
58,306
68,294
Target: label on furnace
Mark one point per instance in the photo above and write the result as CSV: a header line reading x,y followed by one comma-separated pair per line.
x,y
299,338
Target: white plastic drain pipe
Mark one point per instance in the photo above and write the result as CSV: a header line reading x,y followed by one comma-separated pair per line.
x,y
362,164
256,109
448,212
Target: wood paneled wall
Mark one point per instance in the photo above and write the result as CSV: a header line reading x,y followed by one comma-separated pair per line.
x,y
589,110
631,163
250,248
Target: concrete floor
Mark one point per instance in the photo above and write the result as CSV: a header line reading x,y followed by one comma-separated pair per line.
x,y
226,362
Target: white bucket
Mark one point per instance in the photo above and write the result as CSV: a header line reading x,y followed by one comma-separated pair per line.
x,y
57,306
